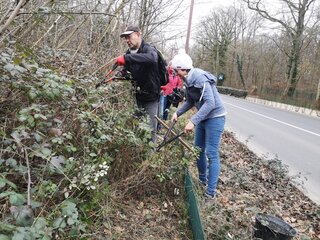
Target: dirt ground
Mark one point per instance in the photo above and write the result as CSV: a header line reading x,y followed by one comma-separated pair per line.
x,y
248,185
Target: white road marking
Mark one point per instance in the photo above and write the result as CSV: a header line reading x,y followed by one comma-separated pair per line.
x,y
276,120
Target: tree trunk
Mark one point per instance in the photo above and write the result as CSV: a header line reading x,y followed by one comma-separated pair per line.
x,y
298,12
292,71
294,59
318,97
240,70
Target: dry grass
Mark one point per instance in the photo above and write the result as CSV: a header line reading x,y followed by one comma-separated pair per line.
x,y
248,185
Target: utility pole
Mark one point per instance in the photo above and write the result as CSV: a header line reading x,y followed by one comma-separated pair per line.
x,y
189,26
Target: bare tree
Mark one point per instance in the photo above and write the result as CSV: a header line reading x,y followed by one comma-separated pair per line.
x,y
85,27
12,15
215,33
153,16
225,37
293,19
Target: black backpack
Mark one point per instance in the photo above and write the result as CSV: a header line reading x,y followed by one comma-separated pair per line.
x,y
163,71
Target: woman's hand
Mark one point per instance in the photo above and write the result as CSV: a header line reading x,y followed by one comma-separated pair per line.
x,y
174,117
189,127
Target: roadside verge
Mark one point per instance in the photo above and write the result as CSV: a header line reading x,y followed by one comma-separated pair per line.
x,y
301,110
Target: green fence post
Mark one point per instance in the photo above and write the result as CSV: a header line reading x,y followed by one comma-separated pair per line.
x,y
193,210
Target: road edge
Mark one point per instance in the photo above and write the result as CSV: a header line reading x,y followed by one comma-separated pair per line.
x,y
301,110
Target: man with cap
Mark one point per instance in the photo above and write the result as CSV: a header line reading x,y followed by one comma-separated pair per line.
x,y
141,59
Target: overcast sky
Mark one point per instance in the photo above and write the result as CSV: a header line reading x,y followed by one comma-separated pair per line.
x,y
201,9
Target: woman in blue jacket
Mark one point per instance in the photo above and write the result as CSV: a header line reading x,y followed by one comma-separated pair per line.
x,y
208,121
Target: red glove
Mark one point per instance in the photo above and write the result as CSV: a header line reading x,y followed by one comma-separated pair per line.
x,y
163,88
121,61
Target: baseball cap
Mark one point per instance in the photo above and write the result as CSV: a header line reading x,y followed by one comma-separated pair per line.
x,y
130,30
182,61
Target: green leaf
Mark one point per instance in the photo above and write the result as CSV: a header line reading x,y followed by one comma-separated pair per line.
x,y
38,137
59,223
6,194
30,120
41,223
68,208
4,237
16,136
14,69
41,71
2,133
35,204
23,117
21,169
106,137
17,60
4,181
11,162
46,151
68,136
17,199
32,95
57,161
23,234
38,115
6,227
71,221
46,238
304,237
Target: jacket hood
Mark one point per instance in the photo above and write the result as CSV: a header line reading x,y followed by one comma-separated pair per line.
x,y
197,77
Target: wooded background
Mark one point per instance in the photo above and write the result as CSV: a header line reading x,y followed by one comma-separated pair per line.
x,y
270,50
75,162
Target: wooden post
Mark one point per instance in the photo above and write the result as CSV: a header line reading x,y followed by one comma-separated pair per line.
x,y
189,27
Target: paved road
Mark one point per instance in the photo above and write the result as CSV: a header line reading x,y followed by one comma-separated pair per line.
x,y
271,132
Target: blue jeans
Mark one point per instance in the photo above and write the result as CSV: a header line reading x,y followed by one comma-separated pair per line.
x,y
164,107
207,138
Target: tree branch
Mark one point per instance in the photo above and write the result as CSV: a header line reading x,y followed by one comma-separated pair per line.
x,y
266,15
12,16
54,23
29,177
70,13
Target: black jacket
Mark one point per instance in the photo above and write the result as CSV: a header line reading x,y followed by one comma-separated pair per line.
x,y
143,66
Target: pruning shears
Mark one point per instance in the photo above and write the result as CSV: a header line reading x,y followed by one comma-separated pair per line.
x,y
107,75
165,138
186,145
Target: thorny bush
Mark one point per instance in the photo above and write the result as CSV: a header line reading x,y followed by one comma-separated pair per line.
x,y
63,143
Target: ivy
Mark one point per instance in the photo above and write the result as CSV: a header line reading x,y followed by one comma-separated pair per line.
x,y
71,135
15,199
4,182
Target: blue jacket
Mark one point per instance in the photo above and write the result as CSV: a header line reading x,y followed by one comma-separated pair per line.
x,y
203,94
